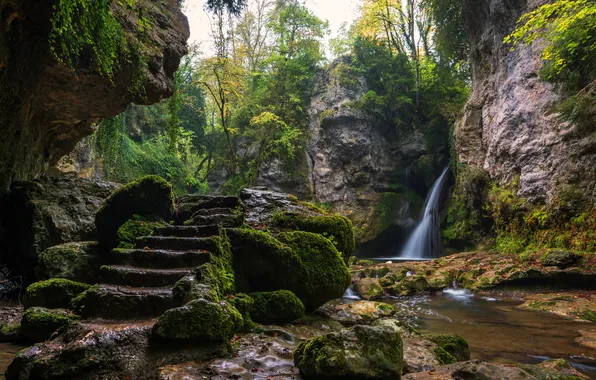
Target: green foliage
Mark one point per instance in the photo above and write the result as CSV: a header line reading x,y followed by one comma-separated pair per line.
x,y
136,227
53,293
569,55
276,307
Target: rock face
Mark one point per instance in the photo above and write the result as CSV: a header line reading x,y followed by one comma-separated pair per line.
x,y
49,211
508,129
47,107
365,170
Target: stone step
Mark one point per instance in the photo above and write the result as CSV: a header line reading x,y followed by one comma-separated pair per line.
x,y
123,302
189,204
214,211
223,220
141,277
187,231
159,258
175,243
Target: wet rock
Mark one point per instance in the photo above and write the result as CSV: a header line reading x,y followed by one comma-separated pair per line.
x,y
373,352
473,369
54,293
356,313
369,288
38,323
304,263
561,259
105,351
149,196
276,307
451,348
77,261
553,369
199,320
46,212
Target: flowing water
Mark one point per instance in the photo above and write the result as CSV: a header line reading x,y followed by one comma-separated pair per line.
x,y
424,241
498,332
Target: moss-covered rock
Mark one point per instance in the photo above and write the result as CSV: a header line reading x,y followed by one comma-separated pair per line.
x,y
336,228
409,285
53,293
244,304
189,288
218,273
362,352
451,348
276,307
369,288
10,332
136,227
73,261
199,320
305,263
356,313
149,196
39,323
560,258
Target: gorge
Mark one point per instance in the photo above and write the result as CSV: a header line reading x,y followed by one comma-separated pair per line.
x,y
413,198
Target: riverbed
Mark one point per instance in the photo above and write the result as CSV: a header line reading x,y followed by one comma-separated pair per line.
x,y
498,332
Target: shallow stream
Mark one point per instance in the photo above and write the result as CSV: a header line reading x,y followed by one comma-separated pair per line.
x,y
498,332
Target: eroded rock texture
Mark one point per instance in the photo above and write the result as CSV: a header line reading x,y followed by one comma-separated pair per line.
x,y
508,129
47,107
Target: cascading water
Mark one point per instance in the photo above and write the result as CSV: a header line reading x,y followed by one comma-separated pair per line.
x,y
424,242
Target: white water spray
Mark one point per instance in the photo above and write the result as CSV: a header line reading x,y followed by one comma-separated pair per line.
x,y
424,242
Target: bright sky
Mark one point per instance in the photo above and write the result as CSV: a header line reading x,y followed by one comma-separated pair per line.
x,y
334,11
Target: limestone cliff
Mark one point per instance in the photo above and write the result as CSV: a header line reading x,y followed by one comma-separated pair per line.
x,y
47,107
508,129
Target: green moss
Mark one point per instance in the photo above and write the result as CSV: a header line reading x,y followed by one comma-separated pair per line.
x,y
149,196
305,263
74,261
219,272
444,357
199,320
336,228
10,332
588,315
276,307
53,293
39,323
453,345
136,227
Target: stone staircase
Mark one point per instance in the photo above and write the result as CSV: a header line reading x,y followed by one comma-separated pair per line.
x,y
138,282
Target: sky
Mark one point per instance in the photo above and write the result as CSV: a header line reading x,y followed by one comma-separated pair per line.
x,y
334,11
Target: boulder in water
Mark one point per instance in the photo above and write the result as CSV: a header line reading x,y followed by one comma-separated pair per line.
x,y
150,196
451,348
371,352
356,313
369,288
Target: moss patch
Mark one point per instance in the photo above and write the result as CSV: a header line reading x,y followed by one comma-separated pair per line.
x,y
53,293
39,323
74,261
136,227
453,345
149,196
276,307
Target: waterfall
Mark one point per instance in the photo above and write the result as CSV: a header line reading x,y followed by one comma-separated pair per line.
x,y
424,242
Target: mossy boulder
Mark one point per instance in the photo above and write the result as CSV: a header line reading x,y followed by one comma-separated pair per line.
x,y
369,288
304,263
336,228
199,320
39,323
363,352
276,307
136,227
356,313
409,285
189,288
451,348
53,293
150,197
560,258
10,332
73,261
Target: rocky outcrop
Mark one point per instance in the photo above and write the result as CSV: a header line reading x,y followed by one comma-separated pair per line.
x,y
508,129
47,107
365,169
49,211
